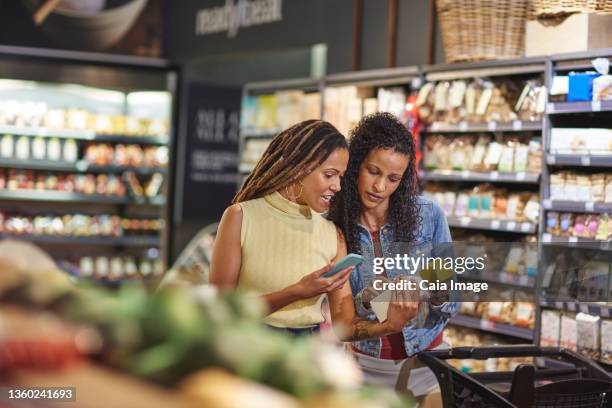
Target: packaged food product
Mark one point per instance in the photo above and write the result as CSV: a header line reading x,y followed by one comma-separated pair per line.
x,y
524,314
557,186
588,343
580,228
598,187
22,148
534,158
583,189
550,328
532,209
570,187
506,160
478,155
608,188
494,154
39,148
462,204
606,341
569,332
521,155
501,203
513,208
603,229
566,224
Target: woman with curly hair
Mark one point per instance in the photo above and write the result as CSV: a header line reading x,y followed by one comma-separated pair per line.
x,y
273,242
380,213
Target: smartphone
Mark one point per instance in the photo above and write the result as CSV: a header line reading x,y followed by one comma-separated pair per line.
x,y
347,261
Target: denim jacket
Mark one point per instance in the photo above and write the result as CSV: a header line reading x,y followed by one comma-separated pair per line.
x,y
433,230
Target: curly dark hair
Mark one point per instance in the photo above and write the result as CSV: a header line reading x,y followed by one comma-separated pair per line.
x,y
378,131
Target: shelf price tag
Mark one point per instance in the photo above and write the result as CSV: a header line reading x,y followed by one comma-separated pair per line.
x,y
495,224
487,325
463,126
571,306
521,175
494,175
550,107
42,131
589,206
584,308
585,160
464,221
517,125
596,106
491,126
523,280
511,226
559,305
435,126
546,237
572,240
465,174
526,227
551,159
604,311
547,203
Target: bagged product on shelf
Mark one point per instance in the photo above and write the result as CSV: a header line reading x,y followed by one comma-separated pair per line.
x,y
608,193
524,314
590,335
598,187
102,266
606,341
592,224
569,332
550,328
506,159
521,155
583,189
472,94
501,203
86,266
514,207
440,102
462,204
566,224
54,149
456,93
534,156
39,148
478,154
486,205
22,148
460,154
602,85
531,212
7,147
483,100
498,108
493,156
557,186
570,190
604,230
580,228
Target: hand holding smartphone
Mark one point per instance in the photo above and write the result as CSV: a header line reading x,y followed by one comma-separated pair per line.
x,y
346,262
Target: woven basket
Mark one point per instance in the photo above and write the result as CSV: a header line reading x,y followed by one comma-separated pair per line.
x,y
543,9
475,30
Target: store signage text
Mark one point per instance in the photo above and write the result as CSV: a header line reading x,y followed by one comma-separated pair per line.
x,y
237,14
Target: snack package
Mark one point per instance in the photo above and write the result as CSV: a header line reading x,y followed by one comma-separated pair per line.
x,y
550,328
569,332
501,204
534,157
571,187
478,154
608,194
598,187
602,85
557,186
494,154
521,154
532,209
583,189
524,314
462,204
552,223
588,343
566,224
506,160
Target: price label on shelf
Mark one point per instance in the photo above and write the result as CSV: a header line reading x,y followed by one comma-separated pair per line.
x,y
589,206
41,131
523,280
551,159
435,126
491,126
585,160
571,306
517,125
463,126
465,174
487,325
596,106
495,224
521,175
572,240
526,227
494,175
550,107
584,308
559,305
465,221
547,203
604,311
546,237
82,165
511,226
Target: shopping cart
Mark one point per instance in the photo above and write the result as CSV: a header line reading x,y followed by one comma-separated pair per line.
x,y
573,381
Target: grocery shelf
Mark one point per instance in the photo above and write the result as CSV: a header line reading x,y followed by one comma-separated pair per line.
x,y
577,206
81,135
45,165
466,127
80,166
489,176
578,107
585,160
589,243
135,241
492,225
65,197
492,327
595,309
506,278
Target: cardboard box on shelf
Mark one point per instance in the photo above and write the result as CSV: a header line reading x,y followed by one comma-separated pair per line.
x,y
578,32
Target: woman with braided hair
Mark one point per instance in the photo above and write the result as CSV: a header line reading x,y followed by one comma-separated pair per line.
x,y
273,242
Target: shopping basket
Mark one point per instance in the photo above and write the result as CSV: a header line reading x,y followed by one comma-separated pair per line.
x,y
574,382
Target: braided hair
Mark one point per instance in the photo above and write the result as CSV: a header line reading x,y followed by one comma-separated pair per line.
x,y
291,155
378,131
